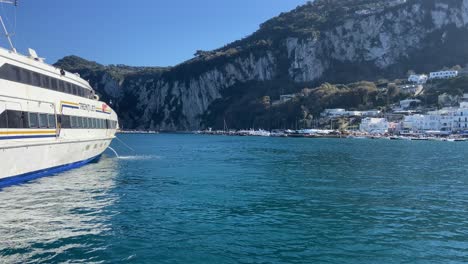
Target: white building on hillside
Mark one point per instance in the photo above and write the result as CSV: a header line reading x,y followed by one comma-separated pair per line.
x,y
443,74
408,103
418,78
353,113
421,123
287,97
371,113
413,89
440,120
339,112
460,120
374,125
445,117
336,112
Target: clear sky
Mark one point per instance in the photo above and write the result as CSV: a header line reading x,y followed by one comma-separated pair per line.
x,y
135,32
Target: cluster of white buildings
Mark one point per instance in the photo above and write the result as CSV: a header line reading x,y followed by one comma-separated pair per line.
x,y
374,125
418,78
423,78
447,120
444,121
443,74
340,112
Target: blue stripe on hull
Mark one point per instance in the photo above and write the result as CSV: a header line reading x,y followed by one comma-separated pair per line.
x,y
103,112
43,173
70,106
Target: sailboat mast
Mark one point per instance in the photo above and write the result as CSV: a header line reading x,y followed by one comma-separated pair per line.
x,y
15,3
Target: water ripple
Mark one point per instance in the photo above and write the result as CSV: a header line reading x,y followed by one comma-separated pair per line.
x,y
198,199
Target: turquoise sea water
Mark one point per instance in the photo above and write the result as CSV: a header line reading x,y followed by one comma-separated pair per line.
x,y
215,199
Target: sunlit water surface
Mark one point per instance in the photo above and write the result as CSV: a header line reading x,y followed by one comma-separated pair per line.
x,y
202,199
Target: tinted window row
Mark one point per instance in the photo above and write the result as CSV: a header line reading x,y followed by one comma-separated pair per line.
x,y
17,74
79,122
20,119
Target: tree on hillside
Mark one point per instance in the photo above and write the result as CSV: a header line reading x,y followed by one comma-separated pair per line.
x,y
457,68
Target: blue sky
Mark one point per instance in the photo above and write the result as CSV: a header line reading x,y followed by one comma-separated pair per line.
x,y
135,32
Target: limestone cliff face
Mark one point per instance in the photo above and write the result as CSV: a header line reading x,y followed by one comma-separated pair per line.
x,y
172,104
387,39
381,39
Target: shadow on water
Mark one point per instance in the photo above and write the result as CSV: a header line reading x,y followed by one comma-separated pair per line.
x,y
51,216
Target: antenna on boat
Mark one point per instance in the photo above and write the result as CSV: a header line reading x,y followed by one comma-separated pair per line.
x,y
15,3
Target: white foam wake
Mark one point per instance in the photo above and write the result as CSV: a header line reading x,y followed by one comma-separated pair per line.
x,y
139,157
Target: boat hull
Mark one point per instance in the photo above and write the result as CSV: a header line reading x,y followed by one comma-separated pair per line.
x,y
30,161
14,180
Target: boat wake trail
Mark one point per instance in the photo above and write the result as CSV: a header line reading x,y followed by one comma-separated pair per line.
x,y
139,157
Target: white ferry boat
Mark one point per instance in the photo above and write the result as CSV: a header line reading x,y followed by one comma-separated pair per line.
x,y
50,120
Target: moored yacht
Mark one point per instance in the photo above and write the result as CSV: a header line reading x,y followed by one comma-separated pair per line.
x,y
50,119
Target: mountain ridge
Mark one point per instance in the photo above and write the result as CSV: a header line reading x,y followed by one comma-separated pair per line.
x,y
298,49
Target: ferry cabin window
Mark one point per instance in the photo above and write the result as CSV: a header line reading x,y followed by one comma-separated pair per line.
x,y
25,119
10,72
65,122
67,88
21,75
77,124
52,123
54,84
33,120
84,122
73,89
45,82
43,121
18,119
14,119
74,122
36,79
3,120
25,76
61,86
70,88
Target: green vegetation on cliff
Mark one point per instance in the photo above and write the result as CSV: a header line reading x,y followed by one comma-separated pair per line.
x,y
257,109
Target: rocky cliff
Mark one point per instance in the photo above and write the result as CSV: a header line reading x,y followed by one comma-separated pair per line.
x,y
324,40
